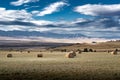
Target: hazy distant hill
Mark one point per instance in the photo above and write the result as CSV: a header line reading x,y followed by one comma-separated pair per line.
x,y
16,44
96,46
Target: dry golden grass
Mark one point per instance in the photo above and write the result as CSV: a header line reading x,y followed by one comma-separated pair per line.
x,y
104,46
85,66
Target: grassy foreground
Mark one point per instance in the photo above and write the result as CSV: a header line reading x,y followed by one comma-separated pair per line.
x,y
54,66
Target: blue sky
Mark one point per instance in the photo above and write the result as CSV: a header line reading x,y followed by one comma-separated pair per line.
x,y
60,20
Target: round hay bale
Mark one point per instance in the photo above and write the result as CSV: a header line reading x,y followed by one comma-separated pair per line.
x,y
79,52
108,51
114,52
28,51
39,55
21,51
69,55
9,55
74,54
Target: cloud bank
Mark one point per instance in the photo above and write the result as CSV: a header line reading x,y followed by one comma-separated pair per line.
x,y
54,40
21,23
99,9
8,15
21,2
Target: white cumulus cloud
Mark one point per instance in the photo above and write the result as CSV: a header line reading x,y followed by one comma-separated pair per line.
x,y
21,2
99,9
52,8
6,15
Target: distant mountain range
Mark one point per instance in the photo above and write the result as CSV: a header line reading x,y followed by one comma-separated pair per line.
x,y
37,33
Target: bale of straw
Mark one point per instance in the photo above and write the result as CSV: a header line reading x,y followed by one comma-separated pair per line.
x,y
39,55
74,53
21,51
69,55
28,51
114,52
108,51
79,52
9,55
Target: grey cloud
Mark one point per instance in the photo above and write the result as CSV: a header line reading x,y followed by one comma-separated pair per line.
x,y
39,34
102,27
17,23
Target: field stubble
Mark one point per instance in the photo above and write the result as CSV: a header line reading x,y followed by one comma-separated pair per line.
x,y
54,66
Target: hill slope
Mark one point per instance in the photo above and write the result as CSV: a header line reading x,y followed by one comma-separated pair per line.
x,y
96,46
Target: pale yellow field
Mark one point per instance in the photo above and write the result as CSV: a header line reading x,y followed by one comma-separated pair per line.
x,y
54,66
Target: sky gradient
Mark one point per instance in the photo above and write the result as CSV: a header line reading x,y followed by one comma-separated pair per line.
x,y
60,20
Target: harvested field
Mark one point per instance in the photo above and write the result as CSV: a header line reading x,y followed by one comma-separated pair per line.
x,y
85,66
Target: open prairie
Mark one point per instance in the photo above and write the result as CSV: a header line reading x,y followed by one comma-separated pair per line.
x,y
59,39
55,66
